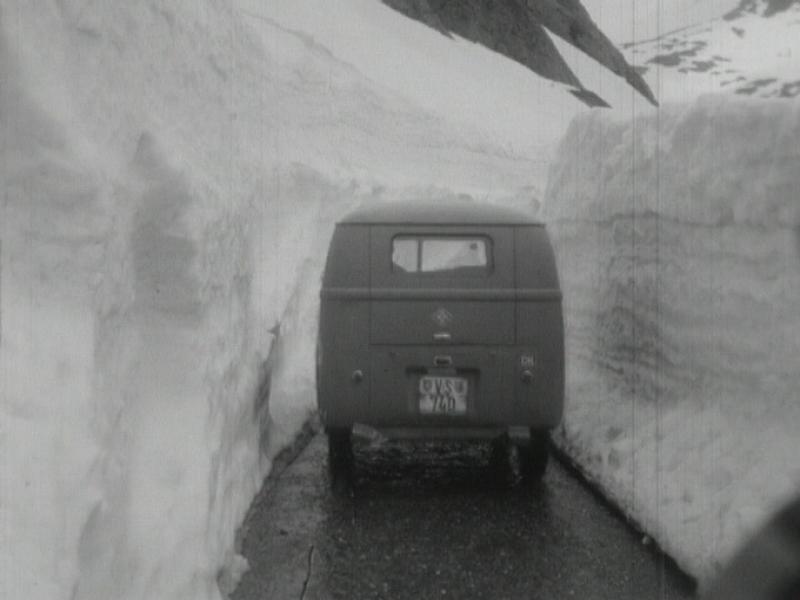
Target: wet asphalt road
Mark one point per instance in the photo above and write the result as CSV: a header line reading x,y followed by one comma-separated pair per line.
x,y
433,521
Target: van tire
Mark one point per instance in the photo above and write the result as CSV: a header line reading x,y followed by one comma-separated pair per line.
x,y
501,462
533,457
340,455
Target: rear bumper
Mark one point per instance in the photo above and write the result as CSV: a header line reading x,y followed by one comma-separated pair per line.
x,y
518,435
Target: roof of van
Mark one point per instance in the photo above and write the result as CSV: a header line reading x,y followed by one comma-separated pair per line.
x,y
438,213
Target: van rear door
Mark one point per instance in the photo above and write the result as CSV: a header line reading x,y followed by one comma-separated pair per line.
x,y
442,285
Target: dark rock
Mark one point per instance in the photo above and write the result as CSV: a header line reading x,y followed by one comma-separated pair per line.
x,y
516,29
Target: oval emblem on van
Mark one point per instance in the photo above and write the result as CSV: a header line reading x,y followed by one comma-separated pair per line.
x,y
442,317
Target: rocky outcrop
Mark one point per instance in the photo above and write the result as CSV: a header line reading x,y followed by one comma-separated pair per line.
x,y
765,7
516,28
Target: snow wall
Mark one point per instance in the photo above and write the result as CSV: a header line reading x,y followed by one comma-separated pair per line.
x,y
169,177
678,241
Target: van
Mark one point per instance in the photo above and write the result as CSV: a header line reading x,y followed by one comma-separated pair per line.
x,y
441,322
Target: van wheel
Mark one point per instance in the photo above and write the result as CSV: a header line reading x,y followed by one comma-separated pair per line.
x,y
534,457
340,455
501,462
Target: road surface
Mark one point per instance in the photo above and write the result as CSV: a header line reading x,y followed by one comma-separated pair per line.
x,y
431,521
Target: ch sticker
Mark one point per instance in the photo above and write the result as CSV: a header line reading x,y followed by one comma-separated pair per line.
x,y
527,361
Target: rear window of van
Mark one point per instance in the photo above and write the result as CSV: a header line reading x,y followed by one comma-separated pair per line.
x,y
441,254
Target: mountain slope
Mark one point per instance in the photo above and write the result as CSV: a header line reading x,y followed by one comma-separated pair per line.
x,y
751,50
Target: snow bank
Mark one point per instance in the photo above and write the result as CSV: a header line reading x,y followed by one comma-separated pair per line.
x,y
678,241
169,176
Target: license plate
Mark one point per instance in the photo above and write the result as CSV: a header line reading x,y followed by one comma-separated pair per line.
x,y
443,395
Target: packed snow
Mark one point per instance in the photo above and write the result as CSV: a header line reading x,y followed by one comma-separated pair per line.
x,y
677,239
170,176
678,246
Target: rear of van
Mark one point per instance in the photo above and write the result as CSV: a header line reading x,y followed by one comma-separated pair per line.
x,y
440,322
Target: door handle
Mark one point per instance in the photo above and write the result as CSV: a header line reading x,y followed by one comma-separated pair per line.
x,y
442,361
442,336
